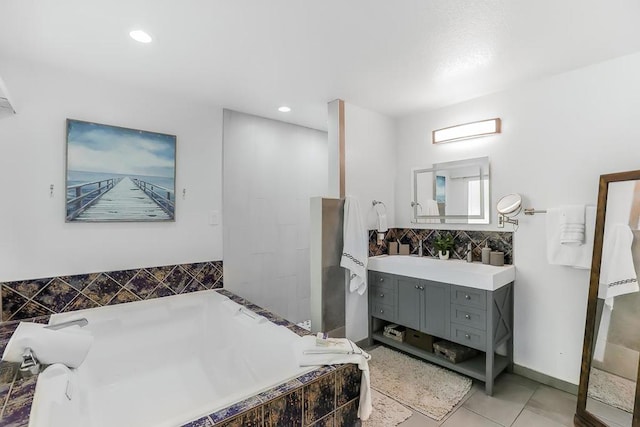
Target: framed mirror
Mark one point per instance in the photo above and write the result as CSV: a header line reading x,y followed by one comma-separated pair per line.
x,y
608,394
452,192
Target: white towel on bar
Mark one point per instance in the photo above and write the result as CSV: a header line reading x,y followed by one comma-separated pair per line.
x,y
382,222
572,225
344,351
355,250
431,208
68,346
578,256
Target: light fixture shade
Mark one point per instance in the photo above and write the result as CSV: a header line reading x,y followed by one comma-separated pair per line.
x,y
467,130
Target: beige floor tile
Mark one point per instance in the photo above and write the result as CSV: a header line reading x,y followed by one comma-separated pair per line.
x,y
419,420
531,419
553,404
510,394
465,418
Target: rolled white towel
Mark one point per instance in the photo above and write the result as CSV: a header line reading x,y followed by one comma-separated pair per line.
x,y
382,222
68,346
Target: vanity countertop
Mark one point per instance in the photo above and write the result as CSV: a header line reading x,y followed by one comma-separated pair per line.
x,y
458,272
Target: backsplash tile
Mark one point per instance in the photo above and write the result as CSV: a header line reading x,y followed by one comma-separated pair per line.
x,y
38,297
497,241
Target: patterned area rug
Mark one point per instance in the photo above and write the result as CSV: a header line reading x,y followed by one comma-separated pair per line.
x,y
612,389
386,411
421,386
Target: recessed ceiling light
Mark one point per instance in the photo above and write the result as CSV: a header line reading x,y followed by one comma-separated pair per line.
x,y
284,109
140,36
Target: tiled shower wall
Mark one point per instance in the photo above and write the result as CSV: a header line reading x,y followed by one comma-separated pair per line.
x,y
32,298
497,241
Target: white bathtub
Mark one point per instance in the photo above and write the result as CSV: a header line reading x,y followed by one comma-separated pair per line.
x,y
165,362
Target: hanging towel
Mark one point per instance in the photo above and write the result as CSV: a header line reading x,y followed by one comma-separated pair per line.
x,y
617,271
382,222
355,251
342,351
617,277
578,256
68,346
572,225
431,208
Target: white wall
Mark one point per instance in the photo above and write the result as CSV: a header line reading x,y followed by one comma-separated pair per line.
x,y
271,170
370,154
559,135
35,241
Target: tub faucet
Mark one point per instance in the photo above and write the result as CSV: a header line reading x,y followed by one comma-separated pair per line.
x,y
30,365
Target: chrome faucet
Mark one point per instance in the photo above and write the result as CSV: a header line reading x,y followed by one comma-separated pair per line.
x,y
420,247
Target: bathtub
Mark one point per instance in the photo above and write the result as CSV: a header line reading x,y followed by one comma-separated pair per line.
x,y
165,362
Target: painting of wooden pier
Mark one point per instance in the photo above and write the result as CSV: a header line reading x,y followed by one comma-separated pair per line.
x,y
119,174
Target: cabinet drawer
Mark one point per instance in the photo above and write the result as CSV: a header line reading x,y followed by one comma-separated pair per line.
x,y
468,296
382,295
383,311
469,316
383,280
471,337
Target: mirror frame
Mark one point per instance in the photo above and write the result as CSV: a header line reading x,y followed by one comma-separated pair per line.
x,y
481,162
582,416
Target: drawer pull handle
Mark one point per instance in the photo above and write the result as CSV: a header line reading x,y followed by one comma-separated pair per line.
x,y
417,287
382,279
381,311
421,288
467,336
467,296
381,295
466,316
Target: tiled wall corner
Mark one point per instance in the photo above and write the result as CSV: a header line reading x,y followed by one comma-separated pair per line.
x,y
40,297
497,241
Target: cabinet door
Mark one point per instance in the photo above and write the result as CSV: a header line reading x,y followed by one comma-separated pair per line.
x,y
435,319
409,302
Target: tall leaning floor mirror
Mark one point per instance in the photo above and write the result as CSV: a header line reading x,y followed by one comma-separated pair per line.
x,y
608,394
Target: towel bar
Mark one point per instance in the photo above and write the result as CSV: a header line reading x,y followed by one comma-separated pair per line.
x,y
532,211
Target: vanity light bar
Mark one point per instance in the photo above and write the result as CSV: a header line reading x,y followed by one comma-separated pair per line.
x,y
467,130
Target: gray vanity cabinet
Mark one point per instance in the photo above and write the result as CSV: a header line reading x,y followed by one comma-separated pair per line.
x,y
410,296
477,318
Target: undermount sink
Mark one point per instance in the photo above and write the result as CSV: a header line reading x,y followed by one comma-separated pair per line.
x,y
457,272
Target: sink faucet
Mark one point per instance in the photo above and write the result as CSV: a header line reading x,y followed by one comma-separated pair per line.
x,y
420,247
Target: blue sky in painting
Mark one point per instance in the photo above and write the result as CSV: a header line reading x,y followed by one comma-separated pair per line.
x,y
108,149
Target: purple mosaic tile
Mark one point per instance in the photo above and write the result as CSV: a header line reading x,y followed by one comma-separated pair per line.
x,y
160,291
80,281
123,296
314,375
31,309
202,422
235,409
252,418
11,302
80,303
178,280
298,330
193,269
102,289
8,371
142,284
209,276
18,406
56,295
160,273
194,286
28,288
122,277
279,390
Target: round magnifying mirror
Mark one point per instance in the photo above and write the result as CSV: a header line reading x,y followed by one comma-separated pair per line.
x,y
509,204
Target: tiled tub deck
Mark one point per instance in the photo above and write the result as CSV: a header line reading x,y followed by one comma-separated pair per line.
x,y
325,397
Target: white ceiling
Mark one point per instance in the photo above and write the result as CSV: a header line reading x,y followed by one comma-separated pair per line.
x,y
394,57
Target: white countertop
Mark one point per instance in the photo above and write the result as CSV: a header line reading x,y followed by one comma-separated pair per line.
x,y
462,273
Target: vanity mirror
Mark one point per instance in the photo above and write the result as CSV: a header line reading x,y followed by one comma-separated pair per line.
x,y
608,394
452,192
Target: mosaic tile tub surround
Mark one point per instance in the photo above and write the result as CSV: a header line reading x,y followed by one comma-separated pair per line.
x,y
497,240
40,297
327,396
